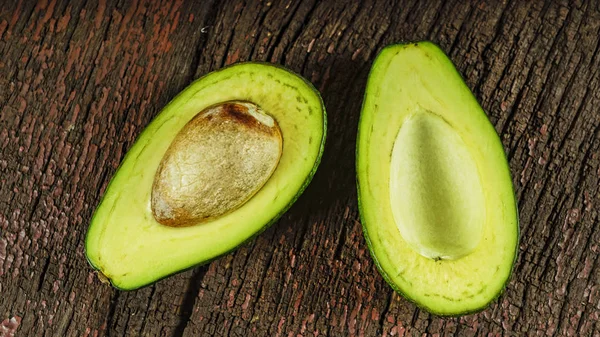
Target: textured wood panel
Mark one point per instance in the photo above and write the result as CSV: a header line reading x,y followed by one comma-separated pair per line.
x,y
79,80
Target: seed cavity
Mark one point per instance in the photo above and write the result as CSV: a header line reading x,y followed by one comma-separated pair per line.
x,y
436,194
215,164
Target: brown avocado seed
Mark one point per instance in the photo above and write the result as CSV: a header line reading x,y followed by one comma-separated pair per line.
x,y
215,164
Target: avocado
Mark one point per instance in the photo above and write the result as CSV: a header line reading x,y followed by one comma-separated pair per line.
x,y
435,193
220,163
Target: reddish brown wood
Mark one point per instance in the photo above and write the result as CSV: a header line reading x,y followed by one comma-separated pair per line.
x,y
80,80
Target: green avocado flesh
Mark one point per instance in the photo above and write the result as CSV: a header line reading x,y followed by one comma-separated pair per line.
x,y
126,243
435,193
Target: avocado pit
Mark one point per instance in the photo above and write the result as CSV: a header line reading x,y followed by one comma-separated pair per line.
x,y
215,164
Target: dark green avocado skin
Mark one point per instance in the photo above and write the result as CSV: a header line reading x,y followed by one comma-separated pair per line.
x,y
268,224
370,245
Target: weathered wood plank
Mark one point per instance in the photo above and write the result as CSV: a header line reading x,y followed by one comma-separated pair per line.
x,y
79,80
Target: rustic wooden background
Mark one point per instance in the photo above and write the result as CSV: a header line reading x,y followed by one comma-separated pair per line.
x,y
80,79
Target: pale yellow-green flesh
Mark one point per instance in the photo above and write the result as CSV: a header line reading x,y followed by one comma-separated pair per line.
x,y
132,249
407,81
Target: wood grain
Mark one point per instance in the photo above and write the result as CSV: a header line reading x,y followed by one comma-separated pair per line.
x,y
79,80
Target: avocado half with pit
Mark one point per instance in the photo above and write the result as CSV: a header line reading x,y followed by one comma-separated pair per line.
x,y
221,162
435,192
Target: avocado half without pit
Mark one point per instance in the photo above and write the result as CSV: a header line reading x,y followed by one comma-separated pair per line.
x,y
221,162
435,192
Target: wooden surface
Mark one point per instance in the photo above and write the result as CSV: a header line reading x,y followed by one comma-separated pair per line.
x,y
80,79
